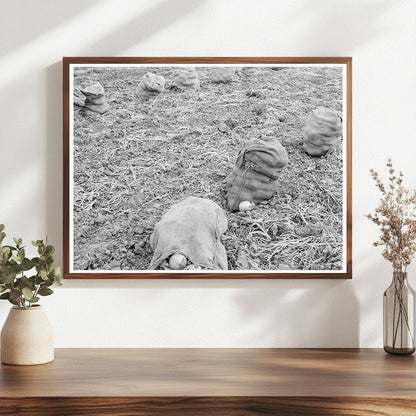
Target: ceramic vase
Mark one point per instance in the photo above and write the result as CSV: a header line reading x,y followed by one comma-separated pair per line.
x,y
27,337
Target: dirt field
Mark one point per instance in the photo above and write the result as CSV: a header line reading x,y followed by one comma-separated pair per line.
x,y
133,162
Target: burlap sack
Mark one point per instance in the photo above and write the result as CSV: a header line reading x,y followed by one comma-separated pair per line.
x,y
323,131
79,97
247,71
222,74
95,100
255,173
150,86
186,78
192,228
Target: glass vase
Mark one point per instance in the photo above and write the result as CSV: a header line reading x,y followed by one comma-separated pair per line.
x,y
399,316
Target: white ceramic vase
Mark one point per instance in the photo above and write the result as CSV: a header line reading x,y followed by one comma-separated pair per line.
x,y
27,337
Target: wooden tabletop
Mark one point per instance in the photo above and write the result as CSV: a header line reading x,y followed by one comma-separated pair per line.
x,y
216,374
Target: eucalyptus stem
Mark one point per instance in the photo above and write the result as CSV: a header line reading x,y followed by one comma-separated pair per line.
x,y
36,291
23,280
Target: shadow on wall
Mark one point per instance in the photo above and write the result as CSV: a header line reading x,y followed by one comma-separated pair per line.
x,y
158,17
375,277
162,15
54,146
278,310
281,313
288,313
301,313
314,16
337,26
41,16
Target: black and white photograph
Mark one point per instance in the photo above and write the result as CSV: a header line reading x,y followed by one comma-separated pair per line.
x,y
207,169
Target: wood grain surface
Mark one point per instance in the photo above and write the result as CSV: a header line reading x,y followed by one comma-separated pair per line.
x,y
208,406
212,381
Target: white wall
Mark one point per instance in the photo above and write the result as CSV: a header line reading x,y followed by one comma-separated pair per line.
x,y
380,35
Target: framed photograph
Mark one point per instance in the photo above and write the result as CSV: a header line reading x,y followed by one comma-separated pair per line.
x,y
207,168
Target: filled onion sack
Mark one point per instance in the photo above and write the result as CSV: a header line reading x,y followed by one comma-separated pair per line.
x,y
150,86
79,97
247,71
193,229
323,131
186,78
255,173
95,100
222,75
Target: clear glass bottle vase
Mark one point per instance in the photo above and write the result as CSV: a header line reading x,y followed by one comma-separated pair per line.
x,y
399,316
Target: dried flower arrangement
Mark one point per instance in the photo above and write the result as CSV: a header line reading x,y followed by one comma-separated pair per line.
x,y
396,216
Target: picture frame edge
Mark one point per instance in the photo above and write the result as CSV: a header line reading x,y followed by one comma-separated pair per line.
x,y
346,60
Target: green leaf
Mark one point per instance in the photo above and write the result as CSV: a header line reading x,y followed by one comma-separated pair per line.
x,y
15,294
43,274
8,277
21,255
17,241
13,302
47,260
2,236
57,274
48,282
26,264
5,250
58,280
27,293
38,280
2,227
7,296
14,267
37,243
24,282
45,291
4,255
11,248
49,250
2,288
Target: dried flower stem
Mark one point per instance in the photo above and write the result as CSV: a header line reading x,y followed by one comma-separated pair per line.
x,y
396,216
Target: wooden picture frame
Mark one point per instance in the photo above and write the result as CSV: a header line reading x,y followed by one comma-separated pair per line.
x,y
107,187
